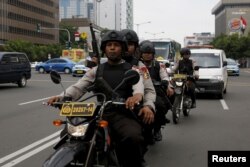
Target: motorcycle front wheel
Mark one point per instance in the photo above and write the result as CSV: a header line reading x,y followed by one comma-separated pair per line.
x,y
187,106
176,109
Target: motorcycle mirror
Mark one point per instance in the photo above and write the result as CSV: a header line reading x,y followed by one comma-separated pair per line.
x,y
167,65
55,77
131,77
196,68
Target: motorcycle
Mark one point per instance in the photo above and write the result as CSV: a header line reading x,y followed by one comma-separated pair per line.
x,y
87,141
182,102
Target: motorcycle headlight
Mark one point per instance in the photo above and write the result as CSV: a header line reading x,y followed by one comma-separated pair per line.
x,y
77,131
179,83
178,90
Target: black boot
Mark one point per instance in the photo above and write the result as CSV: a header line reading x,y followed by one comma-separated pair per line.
x,y
193,98
193,105
157,135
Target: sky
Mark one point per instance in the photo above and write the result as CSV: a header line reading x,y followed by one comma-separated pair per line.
x,y
173,19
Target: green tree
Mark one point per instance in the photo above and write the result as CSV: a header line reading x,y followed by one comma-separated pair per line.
x,y
21,46
235,46
34,52
63,35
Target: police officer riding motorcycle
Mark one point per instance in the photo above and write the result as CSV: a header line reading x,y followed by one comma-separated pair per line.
x,y
160,81
187,66
125,129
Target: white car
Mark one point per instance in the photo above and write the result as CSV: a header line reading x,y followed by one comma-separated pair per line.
x,y
80,68
33,64
212,70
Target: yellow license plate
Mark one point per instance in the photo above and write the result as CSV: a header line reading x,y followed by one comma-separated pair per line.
x,y
79,72
181,76
78,109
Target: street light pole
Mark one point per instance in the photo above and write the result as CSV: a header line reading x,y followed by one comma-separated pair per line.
x,y
138,24
98,12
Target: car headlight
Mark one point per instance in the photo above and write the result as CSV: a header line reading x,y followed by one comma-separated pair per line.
x,y
178,83
77,131
217,78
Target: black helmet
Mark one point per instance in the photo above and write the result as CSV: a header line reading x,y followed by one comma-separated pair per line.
x,y
185,51
147,47
130,36
113,35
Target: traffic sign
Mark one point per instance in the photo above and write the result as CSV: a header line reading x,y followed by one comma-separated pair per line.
x,y
77,36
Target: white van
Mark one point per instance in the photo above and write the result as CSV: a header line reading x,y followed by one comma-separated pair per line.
x,y
213,70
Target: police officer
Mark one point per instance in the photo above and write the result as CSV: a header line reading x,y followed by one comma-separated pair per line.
x,y
160,80
186,66
126,129
132,57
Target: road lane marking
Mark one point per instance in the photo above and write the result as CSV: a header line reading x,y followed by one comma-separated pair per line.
x,y
31,153
34,101
29,147
224,105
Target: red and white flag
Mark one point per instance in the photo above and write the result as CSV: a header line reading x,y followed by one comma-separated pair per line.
x,y
243,24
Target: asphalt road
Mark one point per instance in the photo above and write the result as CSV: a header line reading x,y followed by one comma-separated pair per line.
x,y
27,133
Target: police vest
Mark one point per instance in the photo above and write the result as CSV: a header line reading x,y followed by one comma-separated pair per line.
x,y
113,75
186,67
132,60
154,71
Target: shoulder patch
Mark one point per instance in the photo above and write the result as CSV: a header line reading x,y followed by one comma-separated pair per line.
x,y
162,66
144,72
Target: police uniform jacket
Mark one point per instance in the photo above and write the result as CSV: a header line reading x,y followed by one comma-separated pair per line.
x,y
149,90
78,89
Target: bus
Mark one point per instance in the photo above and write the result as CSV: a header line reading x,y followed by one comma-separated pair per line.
x,y
166,50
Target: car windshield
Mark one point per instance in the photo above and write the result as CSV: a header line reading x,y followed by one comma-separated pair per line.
x,y
70,61
162,49
231,63
206,60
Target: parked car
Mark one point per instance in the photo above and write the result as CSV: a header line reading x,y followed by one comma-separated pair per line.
x,y
212,70
57,64
14,68
34,64
233,67
80,68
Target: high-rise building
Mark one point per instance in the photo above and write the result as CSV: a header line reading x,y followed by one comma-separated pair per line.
x,y
73,8
127,17
19,19
113,14
232,16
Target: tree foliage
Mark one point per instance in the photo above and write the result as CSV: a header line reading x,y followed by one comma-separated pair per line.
x,y
235,46
34,52
63,35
